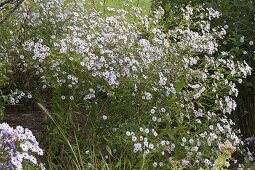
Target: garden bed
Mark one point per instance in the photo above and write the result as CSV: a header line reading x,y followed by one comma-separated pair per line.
x,y
33,120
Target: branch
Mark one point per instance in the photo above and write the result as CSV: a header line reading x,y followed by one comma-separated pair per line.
x,y
5,2
13,9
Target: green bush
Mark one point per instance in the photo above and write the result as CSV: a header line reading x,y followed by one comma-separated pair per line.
x,y
238,20
4,72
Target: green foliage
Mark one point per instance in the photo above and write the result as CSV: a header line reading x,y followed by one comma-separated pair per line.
x,y
238,20
4,72
226,150
248,164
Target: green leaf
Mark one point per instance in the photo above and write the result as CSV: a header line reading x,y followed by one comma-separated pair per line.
x,y
179,85
108,150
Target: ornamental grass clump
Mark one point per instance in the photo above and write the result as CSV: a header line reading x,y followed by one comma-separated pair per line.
x,y
18,147
127,92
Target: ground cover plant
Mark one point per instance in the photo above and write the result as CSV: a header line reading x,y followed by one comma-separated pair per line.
x,y
120,90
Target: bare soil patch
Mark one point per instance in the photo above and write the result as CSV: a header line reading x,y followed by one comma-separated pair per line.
x,y
31,119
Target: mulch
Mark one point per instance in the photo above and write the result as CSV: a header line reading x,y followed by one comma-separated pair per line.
x,y
31,119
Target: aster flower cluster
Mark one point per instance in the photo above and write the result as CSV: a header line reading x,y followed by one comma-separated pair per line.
x,y
174,87
18,146
17,95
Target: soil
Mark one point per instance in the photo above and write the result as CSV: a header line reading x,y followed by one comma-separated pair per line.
x,y
33,119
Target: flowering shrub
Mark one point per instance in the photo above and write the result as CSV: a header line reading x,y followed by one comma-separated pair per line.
x,y
18,146
160,98
238,19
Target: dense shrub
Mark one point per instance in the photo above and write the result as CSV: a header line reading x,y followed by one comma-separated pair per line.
x,y
4,71
238,19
